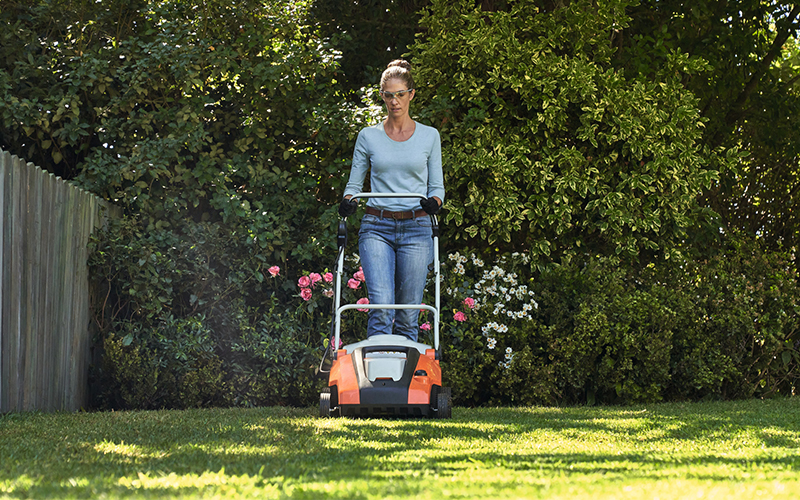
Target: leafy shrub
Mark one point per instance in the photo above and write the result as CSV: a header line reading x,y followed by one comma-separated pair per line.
x,y
610,339
174,365
598,333
737,322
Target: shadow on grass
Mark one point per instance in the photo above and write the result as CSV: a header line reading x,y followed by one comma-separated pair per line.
x,y
289,452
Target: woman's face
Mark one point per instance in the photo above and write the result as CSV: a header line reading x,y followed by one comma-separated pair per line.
x,y
397,106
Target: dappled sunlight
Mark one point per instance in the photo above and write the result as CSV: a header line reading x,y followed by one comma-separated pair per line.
x,y
173,481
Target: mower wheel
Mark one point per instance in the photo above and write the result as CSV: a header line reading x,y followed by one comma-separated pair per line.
x,y
444,403
325,404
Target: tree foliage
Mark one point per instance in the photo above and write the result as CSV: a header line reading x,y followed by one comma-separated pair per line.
x,y
213,126
749,95
368,33
548,147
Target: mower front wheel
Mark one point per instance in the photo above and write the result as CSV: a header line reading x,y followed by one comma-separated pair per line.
x,y
444,402
325,403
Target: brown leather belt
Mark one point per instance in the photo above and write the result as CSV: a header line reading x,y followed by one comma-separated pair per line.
x,y
388,214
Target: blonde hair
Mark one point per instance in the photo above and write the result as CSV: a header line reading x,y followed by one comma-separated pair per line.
x,y
399,69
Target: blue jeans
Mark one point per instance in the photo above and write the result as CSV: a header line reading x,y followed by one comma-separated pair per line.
x,y
395,255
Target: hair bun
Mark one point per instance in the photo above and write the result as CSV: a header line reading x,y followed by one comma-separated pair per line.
x,y
402,63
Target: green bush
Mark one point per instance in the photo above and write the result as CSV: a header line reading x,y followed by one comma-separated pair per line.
x,y
198,321
175,365
737,332
593,332
571,335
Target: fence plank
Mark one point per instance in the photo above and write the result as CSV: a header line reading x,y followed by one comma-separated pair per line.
x,y
18,202
4,160
61,300
49,356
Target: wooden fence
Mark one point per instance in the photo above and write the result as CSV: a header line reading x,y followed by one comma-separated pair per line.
x,y
45,225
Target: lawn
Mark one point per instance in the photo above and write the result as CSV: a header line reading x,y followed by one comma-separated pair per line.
x,y
744,449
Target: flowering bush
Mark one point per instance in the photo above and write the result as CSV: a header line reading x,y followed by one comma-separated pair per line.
x,y
317,291
491,332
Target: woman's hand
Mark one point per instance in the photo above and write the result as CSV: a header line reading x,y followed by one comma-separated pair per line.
x,y
347,207
430,205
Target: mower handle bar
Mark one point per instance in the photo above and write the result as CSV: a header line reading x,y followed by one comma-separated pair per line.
x,y
435,310
388,195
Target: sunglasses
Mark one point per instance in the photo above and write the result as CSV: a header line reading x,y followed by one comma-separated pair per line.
x,y
388,96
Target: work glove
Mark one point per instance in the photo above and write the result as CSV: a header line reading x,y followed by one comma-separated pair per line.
x,y
347,207
430,205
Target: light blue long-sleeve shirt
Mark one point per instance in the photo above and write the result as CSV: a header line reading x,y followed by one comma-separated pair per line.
x,y
411,166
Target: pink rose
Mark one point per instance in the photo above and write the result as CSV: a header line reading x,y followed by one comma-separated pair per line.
x,y
304,282
328,277
469,302
459,316
305,293
333,341
354,284
328,293
315,278
360,274
425,326
274,270
363,300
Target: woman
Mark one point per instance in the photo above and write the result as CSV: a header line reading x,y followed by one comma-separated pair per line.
x,y
395,240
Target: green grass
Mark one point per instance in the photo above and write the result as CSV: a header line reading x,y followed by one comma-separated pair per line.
x,y
747,449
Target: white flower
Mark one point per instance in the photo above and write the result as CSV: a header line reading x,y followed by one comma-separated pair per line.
x,y
509,350
491,343
460,268
453,256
